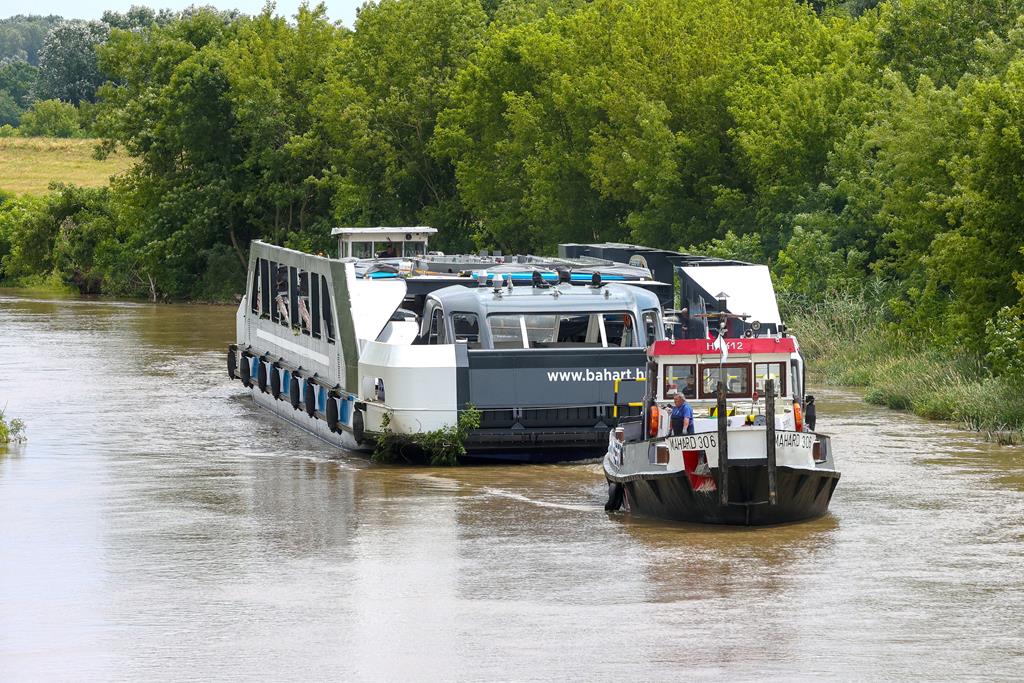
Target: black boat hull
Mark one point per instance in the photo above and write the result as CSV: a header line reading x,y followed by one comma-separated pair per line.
x,y
800,495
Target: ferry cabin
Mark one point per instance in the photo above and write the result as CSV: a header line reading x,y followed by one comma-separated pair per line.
x,y
383,242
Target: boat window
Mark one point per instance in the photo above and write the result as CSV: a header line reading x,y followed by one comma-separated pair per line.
x,y
735,375
414,248
325,303
652,330
254,293
388,249
293,296
578,330
314,303
540,329
305,317
620,330
766,371
558,330
265,297
281,295
270,309
506,331
362,249
466,328
680,378
794,374
436,334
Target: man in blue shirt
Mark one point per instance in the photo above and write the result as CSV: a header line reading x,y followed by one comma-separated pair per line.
x,y
682,416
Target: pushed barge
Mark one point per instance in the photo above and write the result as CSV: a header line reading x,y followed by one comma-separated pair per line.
x,y
390,335
748,460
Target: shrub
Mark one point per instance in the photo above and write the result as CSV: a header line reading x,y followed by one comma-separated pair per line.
x,y
50,118
441,447
1005,336
11,429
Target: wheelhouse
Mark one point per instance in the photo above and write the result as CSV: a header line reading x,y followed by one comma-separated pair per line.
x,y
694,367
382,242
559,317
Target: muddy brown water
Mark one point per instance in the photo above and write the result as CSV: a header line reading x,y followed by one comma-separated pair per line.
x,y
156,525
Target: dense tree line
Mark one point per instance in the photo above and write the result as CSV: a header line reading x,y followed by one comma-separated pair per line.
x,y
49,60
842,142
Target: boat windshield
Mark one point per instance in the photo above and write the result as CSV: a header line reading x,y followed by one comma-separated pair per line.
x,y
735,376
562,330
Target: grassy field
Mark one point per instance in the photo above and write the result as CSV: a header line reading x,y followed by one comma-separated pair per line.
x,y
29,165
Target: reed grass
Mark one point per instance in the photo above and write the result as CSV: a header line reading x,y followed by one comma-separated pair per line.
x,y
848,342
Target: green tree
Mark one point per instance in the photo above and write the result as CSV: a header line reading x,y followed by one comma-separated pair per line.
x,y
380,111
10,112
941,39
138,17
68,68
220,113
971,269
17,78
21,36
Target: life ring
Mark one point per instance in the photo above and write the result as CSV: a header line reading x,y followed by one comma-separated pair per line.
x,y
275,381
245,373
310,396
616,492
332,414
232,363
261,376
293,392
653,418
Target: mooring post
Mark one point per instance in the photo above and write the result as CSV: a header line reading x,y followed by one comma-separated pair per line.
x,y
769,422
723,446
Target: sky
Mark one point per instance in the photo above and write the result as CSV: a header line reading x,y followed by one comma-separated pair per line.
x,y
337,10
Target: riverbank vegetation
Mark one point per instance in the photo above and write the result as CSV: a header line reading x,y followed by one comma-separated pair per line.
x,y
11,429
870,152
848,341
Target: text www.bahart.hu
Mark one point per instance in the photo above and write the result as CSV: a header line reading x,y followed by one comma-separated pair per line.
x,y
600,375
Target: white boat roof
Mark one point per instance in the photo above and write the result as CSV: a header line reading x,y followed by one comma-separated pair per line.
x,y
561,298
372,302
749,289
381,231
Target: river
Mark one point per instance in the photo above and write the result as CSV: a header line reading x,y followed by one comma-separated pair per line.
x,y
157,526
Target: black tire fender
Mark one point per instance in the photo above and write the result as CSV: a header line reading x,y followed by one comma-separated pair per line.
x,y
246,372
310,397
275,381
358,429
293,392
615,494
332,414
232,363
261,376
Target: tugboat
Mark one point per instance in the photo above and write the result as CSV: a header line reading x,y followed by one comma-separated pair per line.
x,y
749,460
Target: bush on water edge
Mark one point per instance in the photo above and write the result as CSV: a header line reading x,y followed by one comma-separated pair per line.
x,y
848,341
11,429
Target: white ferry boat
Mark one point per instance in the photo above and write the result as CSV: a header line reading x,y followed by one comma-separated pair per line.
x,y
392,336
